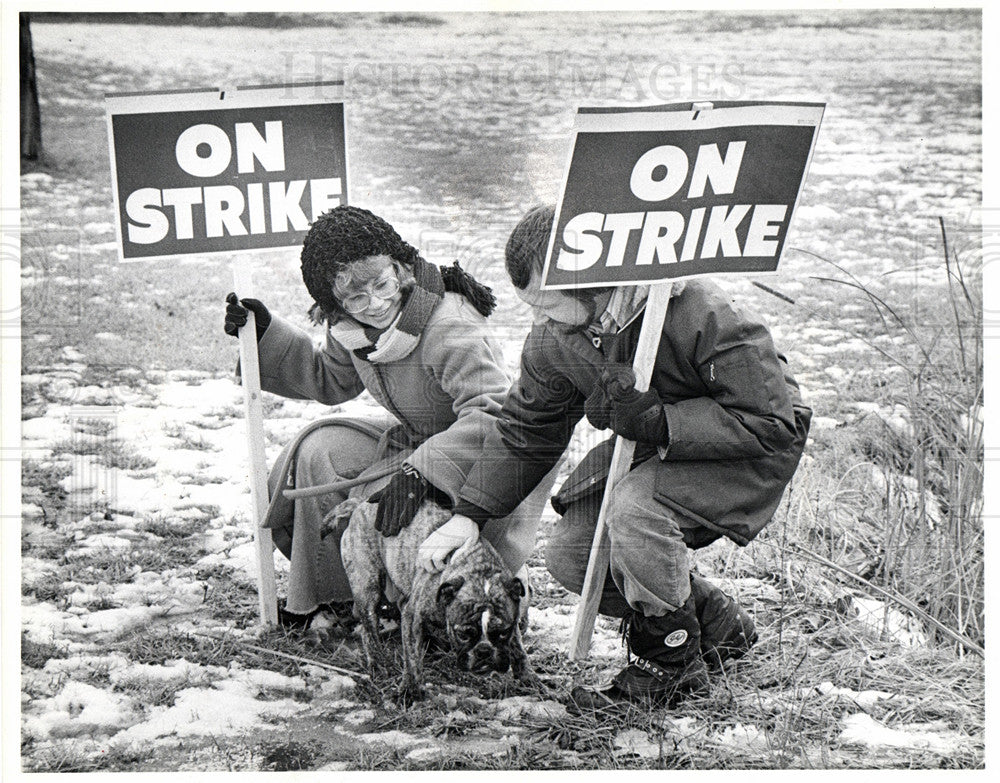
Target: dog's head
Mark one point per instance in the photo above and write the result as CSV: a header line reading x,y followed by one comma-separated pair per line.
x,y
480,617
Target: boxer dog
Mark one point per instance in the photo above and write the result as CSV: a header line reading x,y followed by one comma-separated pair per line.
x,y
471,608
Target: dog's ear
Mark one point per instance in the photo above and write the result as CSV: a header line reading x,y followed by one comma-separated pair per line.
x,y
515,589
447,591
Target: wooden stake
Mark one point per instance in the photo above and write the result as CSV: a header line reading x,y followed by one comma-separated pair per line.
x,y
621,461
250,372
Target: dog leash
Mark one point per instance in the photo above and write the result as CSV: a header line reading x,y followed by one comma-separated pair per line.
x,y
364,477
393,436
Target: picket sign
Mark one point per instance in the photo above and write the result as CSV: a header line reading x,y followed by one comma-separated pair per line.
x,y
621,461
250,372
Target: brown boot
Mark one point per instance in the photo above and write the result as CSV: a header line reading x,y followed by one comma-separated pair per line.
x,y
668,665
727,631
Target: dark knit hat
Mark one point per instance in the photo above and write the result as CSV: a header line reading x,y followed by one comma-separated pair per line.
x,y
337,239
347,234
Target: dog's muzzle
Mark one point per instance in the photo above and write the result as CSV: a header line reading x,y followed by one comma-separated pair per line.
x,y
484,657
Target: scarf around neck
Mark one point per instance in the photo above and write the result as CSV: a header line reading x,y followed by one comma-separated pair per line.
x,y
397,340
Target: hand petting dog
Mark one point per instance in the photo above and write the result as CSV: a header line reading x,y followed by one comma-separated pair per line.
x,y
454,534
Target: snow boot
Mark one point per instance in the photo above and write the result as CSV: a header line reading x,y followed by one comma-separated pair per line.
x,y
668,665
727,632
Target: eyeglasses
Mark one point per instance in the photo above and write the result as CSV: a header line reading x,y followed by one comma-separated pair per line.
x,y
384,289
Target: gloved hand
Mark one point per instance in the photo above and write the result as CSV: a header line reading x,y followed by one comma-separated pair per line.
x,y
399,501
434,552
632,414
236,315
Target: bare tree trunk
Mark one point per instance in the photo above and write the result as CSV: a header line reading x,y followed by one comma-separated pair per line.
x,y
31,118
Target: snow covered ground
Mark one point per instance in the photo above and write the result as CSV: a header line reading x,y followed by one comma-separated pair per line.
x,y
95,700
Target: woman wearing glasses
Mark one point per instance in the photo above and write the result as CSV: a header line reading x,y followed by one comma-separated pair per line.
x,y
413,335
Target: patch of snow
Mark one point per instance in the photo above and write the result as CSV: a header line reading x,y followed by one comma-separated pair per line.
x,y
816,214
80,709
266,680
517,707
745,738
119,620
34,568
359,717
427,753
99,543
242,557
44,428
172,593
336,686
883,619
861,729
80,666
863,699
35,179
170,673
31,511
681,729
230,707
399,740
335,766
635,742
555,623
824,423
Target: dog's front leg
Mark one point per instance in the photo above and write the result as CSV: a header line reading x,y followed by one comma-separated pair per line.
x,y
520,666
411,629
370,641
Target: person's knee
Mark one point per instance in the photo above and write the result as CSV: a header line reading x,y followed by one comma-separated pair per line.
x,y
314,452
629,505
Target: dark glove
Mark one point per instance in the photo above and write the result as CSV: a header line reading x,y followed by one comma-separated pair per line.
x,y
236,315
399,501
617,378
630,413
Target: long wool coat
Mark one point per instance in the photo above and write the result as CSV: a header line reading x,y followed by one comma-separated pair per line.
x,y
736,423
